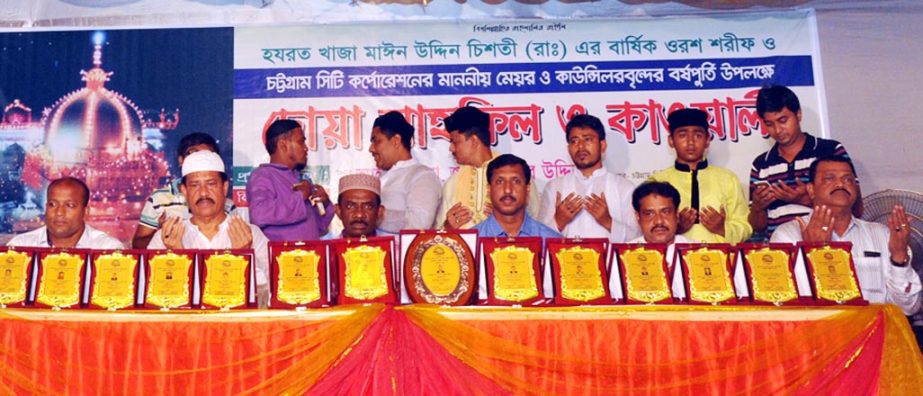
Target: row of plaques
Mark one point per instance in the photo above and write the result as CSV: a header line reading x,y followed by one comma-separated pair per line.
x,y
430,267
112,280
459,268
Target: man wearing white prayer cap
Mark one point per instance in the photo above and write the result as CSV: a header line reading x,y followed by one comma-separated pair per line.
x,y
205,186
359,205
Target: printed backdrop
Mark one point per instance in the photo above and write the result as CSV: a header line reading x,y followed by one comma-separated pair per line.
x,y
531,76
110,107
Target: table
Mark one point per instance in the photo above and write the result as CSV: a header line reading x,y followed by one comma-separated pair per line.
x,y
383,350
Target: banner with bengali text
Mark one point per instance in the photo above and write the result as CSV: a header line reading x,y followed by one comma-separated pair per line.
x,y
531,77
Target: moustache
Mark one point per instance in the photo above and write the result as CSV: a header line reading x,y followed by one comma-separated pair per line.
x,y
204,199
508,197
359,222
660,228
841,189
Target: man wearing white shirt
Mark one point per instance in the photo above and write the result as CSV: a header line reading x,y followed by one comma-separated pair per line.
x,y
205,186
880,252
65,210
656,206
410,191
589,203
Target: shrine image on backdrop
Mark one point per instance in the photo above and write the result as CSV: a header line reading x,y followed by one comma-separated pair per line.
x,y
87,104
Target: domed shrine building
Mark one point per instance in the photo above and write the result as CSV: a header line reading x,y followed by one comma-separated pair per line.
x,y
99,136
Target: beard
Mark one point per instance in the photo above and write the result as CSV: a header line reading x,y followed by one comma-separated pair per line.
x,y
587,163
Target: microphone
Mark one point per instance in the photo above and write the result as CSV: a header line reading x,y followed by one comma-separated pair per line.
x,y
317,202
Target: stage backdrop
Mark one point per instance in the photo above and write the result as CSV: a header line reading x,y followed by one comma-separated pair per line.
x,y
110,107
530,76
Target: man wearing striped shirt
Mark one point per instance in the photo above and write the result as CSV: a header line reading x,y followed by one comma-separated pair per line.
x,y
778,177
881,253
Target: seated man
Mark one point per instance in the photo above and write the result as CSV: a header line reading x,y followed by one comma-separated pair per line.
x,y
880,253
591,202
359,205
168,199
657,211
65,210
508,178
714,205
410,190
205,186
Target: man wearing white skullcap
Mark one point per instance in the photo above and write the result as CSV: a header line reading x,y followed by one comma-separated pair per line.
x,y
359,205
205,186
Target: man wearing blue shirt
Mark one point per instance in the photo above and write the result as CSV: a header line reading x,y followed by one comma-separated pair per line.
x,y
508,178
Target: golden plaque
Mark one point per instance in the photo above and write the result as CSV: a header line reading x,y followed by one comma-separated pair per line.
x,y
833,275
299,281
709,280
114,282
225,281
168,282
513,273
771,276
438,270
580,276
60,284
645,278
14,268
365,277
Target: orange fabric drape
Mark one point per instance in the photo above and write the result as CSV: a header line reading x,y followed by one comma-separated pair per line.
x,y
213,353
681,350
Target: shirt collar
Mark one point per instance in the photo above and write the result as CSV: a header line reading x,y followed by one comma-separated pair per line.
x,y
278,166
529,227
221,227
685,168
596,173
403,164
84,240
810,145
852,224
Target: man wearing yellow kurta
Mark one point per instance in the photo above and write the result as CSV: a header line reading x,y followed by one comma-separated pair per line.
x,y
465,199
714,207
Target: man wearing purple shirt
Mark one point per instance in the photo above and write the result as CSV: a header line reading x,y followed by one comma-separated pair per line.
x,y
285,207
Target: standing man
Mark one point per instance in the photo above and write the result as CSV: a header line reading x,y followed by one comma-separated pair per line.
x,y
410,190
779,177
167,200
65,227
714,207
509,178
359,205
205,186
464,196
590,203
880,253
285,207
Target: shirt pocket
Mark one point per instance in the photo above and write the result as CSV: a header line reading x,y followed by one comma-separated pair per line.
x,y
868,271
